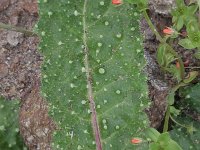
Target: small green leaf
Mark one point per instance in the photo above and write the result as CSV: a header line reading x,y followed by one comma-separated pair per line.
x,y
176,72
170,98
174,111
192,9
192,26
182,14
154,146
161,55
179,23
169,58
180,3
186,43
164,139
152,133
164,56
192,75
173,146
191,129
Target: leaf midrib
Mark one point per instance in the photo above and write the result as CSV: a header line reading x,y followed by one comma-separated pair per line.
x,y
90,94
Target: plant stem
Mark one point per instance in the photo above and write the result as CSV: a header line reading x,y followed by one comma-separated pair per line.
x,y
166,123
177,122
17,29
158,37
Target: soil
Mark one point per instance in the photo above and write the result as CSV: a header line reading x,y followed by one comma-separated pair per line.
x,y
20,71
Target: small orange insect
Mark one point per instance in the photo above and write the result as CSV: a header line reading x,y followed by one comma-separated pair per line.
x,y
136,141
116,2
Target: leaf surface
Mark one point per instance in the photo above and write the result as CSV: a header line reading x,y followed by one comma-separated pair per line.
x,y
183,138
92,73
191,97
10,138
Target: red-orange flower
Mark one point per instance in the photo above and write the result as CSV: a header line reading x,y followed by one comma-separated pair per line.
x,y
116,2
136,141
168,31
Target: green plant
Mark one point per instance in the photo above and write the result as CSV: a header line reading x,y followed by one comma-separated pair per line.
x,y
10,138
193,39
183,14
186,130
190,42
186,135
161,141
92,75
190,97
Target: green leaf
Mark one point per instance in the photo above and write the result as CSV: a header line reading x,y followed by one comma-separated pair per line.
x,y
174,111
192,26
186,43
183,138
176,72
180,3
191,129
154,146
172,146
164,139
191,97
152,133
179,23
10,138
182,14
164,142
192,9
164,56
92,73
161,55
191,76
170,98
169,58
